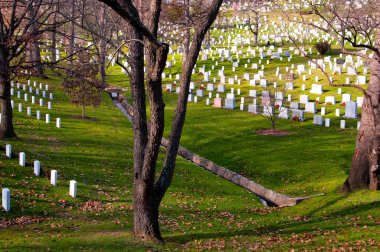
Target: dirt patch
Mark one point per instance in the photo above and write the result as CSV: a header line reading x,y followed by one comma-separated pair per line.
x,y
85,118
269,132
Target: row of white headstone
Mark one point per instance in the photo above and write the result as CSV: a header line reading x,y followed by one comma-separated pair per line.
x,y
6,194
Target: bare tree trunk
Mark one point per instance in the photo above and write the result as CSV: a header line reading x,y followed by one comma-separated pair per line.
x,y
53,47
166,175
186,41
6,125
34,49
72,32
363,172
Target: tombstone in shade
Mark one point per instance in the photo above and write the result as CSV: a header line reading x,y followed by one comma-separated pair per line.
x,y
316,89
283,113
168,88
58,123
351,110
29,111
199,93
327,122
190,98
54,177
19,107
41,102
73,188
21,157
294,105
229,102
8,151
252,108
210,87
221,88
330,99
310,107
48,117
346,97
318,120
298,113
37,167
218,103
6,199
304,99
342,124
51,96
38,115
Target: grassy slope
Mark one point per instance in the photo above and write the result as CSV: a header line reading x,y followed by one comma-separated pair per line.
x,y
200,211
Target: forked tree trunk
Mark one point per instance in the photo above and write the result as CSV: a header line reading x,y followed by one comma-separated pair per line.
x,y
363,172
6,125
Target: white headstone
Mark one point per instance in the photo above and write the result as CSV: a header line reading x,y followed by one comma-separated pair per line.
x,y
21,156
342,124
37,167
58,123
73,188
8,151
6,199
53,177
47,118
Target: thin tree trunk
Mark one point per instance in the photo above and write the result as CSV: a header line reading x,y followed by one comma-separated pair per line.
x,y
166,175
186,41
72,32
53,47
6,125
34,49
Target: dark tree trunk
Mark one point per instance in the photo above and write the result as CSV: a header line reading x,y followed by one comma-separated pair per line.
x,y
53,47
34,49
72,32
363,172
167,172
6,125
186,41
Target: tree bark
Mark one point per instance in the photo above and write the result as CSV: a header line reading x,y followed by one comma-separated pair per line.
x,y
363,172
72,32
53,46
6,125
34,49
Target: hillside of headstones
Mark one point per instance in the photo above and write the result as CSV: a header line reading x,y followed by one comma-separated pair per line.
x,y
35,100
279,77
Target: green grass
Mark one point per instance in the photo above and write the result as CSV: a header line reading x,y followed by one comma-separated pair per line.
x,y
200,211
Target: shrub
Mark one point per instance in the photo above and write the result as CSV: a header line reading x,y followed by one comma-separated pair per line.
x,y
322,47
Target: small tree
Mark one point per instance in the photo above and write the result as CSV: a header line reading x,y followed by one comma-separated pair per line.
x,y
273,105
84,90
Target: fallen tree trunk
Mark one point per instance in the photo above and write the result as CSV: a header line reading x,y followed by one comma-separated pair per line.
x,y
271,197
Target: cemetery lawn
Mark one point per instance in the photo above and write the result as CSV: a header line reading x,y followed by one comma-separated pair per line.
x,y
200,211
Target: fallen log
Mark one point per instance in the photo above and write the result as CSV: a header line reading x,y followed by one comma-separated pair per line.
x,y
270,197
